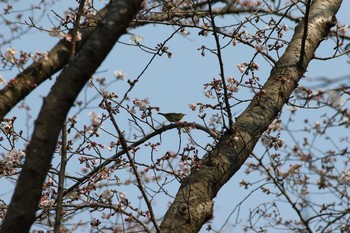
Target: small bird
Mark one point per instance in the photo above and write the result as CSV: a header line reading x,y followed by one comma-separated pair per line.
x,y
173,116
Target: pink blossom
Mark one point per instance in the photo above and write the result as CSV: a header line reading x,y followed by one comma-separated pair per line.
x,y
241,67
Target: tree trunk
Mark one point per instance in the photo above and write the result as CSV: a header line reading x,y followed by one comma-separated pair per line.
x,y
24,203
193,205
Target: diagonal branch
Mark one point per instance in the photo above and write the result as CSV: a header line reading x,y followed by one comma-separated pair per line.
x,y
35,74
133,167
193,205
53,113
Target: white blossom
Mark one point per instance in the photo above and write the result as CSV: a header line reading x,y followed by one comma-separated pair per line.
x,y
120,75
346,176
106,194
10,55
136,39
55,32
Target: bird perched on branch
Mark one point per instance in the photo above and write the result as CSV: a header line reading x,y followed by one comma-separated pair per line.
x,y
173,116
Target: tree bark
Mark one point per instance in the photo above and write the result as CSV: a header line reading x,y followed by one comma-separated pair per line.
x,y
193,205
39,71
24,203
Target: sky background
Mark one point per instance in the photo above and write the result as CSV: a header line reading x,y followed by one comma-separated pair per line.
x,y
172,84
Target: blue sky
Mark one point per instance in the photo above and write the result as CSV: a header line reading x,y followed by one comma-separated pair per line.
x,y
172,84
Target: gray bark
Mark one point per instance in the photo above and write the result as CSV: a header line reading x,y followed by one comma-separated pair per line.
x,y
193,205
24,203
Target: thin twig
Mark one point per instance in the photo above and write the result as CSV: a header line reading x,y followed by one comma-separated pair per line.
x,y
221,64
284,193
60,188
303,41
133,166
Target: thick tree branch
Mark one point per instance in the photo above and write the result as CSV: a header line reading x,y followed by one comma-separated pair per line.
x,y
39,71
193,205
21,212
25,82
